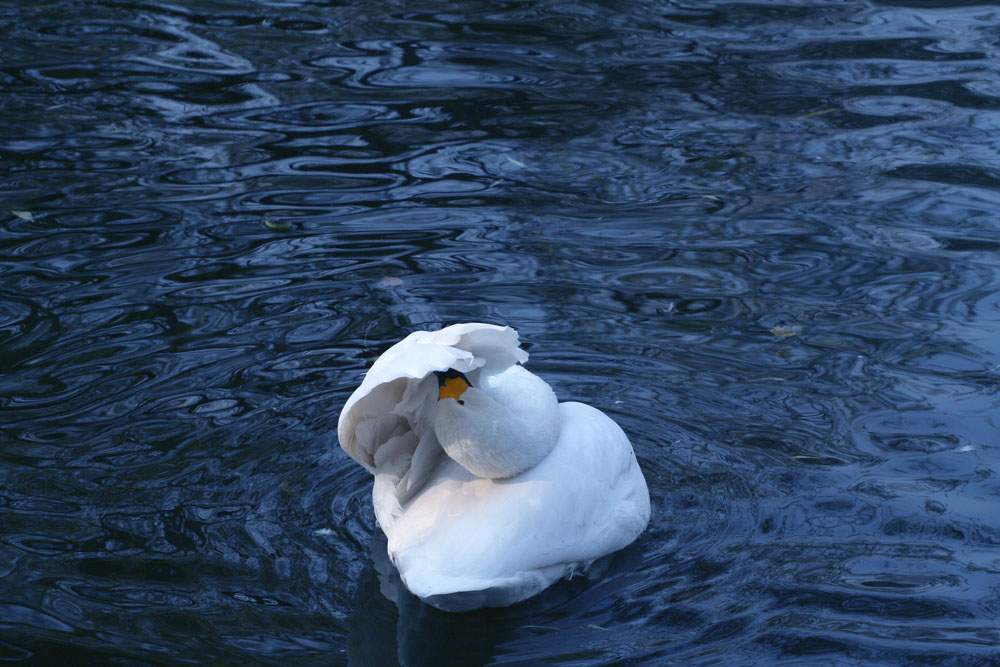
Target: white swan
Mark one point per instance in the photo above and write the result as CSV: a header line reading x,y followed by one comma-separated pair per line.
x,y
488,490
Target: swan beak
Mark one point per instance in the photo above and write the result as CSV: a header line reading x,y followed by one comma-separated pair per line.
x,y
451,384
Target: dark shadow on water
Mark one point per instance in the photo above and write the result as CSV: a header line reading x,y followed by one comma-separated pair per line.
x,y
392,626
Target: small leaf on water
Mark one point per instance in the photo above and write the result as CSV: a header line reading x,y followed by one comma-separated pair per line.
x,y
24,215
786,330
814,114
277,225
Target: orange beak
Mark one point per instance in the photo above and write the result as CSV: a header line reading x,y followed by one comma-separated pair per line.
x,y
452,387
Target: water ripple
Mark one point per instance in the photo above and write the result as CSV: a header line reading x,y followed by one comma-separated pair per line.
x,y
761,237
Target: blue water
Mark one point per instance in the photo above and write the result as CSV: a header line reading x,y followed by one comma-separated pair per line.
x,y
764,237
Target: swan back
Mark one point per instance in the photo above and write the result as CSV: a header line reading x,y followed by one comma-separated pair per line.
x,y
466,542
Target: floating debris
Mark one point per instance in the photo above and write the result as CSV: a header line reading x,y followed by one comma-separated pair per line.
x,y
25,215
934,506
276,225
786,330
816,114
390,281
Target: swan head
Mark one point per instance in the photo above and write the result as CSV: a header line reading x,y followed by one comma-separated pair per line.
x,y
502,427
396,403
484,410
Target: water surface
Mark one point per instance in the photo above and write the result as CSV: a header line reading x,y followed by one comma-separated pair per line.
x,y
762,236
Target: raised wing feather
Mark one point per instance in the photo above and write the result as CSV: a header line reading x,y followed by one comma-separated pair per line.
x,y
463,347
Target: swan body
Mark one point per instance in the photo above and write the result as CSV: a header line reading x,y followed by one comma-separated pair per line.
x,y
490,495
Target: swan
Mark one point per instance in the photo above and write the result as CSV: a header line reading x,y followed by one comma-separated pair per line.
x,y
487,488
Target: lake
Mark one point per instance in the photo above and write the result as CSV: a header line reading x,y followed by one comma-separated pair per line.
x,y
763,236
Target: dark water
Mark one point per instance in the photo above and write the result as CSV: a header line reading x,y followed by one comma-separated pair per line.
x,y
764,236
